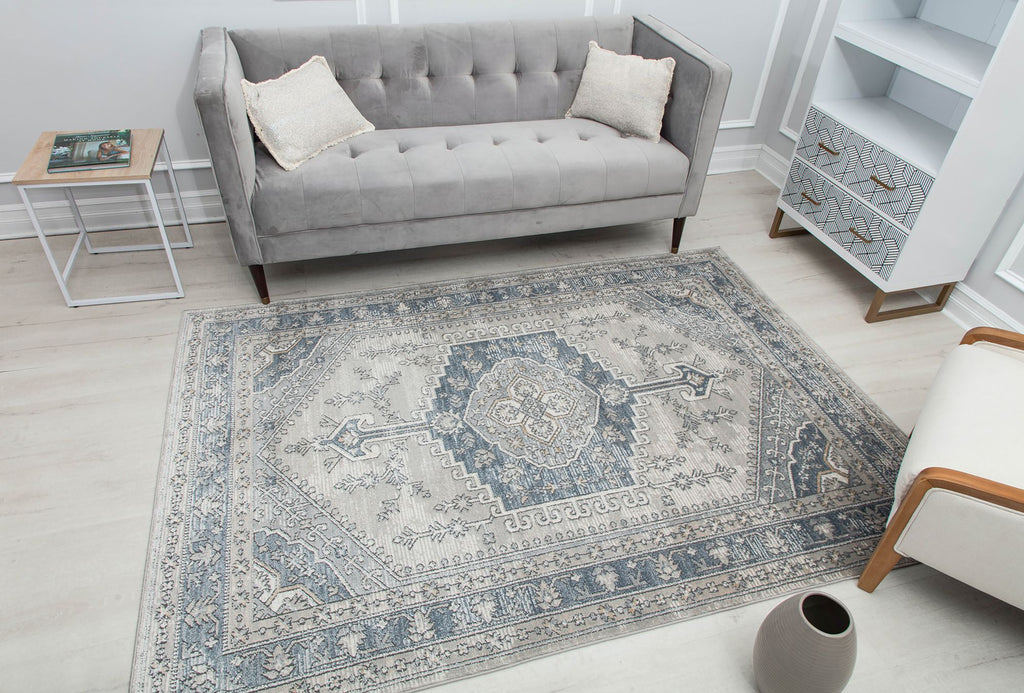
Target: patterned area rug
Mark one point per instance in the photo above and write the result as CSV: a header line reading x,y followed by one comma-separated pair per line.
x,y
385,491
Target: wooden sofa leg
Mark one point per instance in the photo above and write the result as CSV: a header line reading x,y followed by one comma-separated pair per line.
x,y
260,279
677,232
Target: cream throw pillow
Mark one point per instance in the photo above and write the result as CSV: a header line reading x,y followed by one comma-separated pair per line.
x,y
627,92
302,112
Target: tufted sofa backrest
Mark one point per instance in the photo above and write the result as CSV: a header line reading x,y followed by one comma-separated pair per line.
x,y
443,74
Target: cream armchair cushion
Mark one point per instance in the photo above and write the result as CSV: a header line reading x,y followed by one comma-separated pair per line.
x,y
972,419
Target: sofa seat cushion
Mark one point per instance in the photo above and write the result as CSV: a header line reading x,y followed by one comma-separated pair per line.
x,y
417,173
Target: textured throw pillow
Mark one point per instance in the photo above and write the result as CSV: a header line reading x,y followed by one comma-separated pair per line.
x,y
627,92
302,112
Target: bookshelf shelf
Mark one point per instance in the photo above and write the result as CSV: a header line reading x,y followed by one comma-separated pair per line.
x,y
953,60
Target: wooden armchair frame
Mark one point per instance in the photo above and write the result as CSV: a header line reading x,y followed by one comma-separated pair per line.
x,y
884,558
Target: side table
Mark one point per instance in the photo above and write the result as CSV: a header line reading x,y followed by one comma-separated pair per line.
x,y
146,146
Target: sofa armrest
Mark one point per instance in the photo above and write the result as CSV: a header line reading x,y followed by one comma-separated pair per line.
x,y
218,97
694,110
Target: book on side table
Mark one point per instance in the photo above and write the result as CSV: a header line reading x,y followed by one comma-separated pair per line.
x,y
86,151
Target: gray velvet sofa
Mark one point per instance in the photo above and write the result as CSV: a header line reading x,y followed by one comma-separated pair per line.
x,y
471,140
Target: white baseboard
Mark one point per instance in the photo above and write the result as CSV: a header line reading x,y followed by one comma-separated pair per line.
x,y
732,159
773,166
115,212
756,157
968,308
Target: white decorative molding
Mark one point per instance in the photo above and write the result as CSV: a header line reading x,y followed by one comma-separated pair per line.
x,y
967,308
805,59
617,7
393,11
1014,255
360,11
762,84
588,8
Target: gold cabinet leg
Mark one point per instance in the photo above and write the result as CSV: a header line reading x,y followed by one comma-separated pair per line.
x,y
876,314
776,232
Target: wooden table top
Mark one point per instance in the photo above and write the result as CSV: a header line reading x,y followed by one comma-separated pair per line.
x,y
145,145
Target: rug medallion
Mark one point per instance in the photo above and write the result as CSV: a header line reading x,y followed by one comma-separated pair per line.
x,y
385,491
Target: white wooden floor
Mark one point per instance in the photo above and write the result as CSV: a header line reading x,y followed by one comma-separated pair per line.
x,y
82,400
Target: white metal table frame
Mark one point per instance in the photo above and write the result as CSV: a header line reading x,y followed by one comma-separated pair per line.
x,y
83,234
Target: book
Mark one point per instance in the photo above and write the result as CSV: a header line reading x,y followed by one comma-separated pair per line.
x,y
85,151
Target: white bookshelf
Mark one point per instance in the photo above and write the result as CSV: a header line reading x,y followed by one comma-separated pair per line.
x,y
911,146
918,139
943,56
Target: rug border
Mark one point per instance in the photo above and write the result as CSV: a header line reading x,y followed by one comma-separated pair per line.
x,y
192,320
143,634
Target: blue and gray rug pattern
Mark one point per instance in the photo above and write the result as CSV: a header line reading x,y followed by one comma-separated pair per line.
x,y
389,490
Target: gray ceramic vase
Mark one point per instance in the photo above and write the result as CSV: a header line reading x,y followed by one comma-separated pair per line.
x,y
807,644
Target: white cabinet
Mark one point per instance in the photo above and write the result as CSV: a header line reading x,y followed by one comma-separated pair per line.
x,y
913,141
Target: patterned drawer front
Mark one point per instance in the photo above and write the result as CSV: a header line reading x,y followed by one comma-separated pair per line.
x,y
823,143
865,235
862,232
811,194
879,176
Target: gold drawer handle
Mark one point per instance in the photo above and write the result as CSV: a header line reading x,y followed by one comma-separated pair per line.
x,y
887,187
833,152
865,240
809,199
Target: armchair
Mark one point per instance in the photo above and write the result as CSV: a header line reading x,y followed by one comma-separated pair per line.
x,y
959,497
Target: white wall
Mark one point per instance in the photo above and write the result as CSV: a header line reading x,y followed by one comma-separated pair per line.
x,y
87,64
84,64
994,295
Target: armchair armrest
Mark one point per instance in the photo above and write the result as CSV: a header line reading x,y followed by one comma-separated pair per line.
x,y
218,97
885,557
1006,338
694,110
